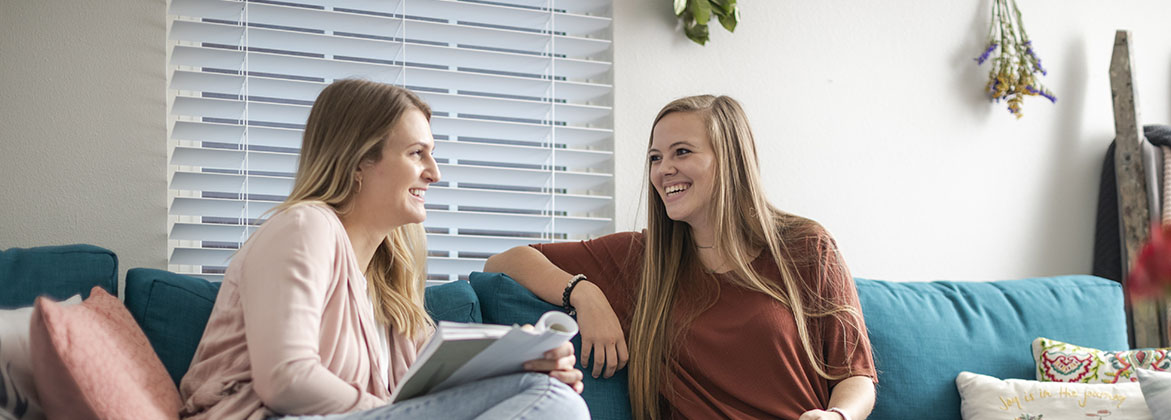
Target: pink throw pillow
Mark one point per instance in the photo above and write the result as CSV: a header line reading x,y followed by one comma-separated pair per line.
x,y
93,361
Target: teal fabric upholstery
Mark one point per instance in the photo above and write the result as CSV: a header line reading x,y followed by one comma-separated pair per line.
x,y
925,333
56,271
173,309
503,301
455,301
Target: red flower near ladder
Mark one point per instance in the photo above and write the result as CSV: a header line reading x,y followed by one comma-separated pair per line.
x,y
1151,274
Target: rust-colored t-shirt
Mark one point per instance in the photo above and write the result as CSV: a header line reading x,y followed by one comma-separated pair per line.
x,y
741,357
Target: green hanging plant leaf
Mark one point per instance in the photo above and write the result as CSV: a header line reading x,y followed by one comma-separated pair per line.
x,y
730,20
694,31
696,14
723,7
702,10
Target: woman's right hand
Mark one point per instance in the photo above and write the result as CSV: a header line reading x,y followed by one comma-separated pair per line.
x,y
601,334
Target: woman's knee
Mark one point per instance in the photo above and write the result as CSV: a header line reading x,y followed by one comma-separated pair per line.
x,y
557,394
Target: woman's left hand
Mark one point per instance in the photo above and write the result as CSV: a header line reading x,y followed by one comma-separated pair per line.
x,y
559,364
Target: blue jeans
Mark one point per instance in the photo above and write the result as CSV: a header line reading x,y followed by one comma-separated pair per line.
x,y
516,396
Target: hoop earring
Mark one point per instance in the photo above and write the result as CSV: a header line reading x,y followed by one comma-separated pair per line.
x,y
359,181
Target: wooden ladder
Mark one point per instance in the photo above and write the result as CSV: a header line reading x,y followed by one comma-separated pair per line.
x,y
1147,321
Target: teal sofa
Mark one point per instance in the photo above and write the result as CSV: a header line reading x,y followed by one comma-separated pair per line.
x,y
923,333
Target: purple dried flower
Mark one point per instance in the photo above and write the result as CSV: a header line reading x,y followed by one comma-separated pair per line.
x,y
984,57
1047,95
1036,60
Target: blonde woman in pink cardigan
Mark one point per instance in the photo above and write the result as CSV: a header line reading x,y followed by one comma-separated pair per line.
x,y
321,310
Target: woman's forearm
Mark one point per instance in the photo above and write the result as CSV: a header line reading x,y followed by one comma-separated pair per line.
x,y
532,270
854,395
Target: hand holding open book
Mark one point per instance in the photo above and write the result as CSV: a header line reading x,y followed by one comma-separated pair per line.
x,y
459,353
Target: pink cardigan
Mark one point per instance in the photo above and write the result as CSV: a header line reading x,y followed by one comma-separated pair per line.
x,y
292,331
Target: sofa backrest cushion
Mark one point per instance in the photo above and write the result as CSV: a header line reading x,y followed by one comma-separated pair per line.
x,y
455,301
503,301
925,333
55,271
173,310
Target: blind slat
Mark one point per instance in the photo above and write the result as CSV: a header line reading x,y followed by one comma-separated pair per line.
x,y
313,44
463,106
507,177
235,159
475,148
512,222
446,56
453,81
476,243
211,232
444,33
465,197
215,207
234,134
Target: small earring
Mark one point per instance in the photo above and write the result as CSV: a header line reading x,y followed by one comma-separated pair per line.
x,y
359,181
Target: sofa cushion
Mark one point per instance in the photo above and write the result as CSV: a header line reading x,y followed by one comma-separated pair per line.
x,y
503,301
172,310
925,333
988,398
55,271
1064,362
92,361
455,301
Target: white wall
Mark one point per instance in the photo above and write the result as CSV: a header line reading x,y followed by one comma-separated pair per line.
x,y
870,118
82,126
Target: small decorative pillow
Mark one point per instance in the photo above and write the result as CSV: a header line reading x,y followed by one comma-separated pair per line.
x,y
18,395
1064,362
983,397
92,361
1156,387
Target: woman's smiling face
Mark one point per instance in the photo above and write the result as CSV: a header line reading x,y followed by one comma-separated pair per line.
x,y
396,184
682,166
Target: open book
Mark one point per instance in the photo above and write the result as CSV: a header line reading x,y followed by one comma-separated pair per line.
x,y
459,353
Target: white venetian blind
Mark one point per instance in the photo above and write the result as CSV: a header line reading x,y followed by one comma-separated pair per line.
x,y
521,96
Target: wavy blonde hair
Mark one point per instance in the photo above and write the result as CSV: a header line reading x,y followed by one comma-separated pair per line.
x,y
744,221
348,125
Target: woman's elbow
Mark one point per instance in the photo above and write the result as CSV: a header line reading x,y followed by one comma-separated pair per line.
x,y
499,262
277,388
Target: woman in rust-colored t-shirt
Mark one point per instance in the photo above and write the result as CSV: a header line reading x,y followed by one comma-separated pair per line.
x,y
732,308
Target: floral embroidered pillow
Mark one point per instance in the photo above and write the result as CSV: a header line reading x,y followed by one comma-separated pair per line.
x,y
1064,362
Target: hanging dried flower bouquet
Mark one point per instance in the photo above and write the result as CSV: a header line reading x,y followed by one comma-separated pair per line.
x,y
1016,69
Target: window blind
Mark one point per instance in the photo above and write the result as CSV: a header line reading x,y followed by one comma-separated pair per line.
x,y
521,94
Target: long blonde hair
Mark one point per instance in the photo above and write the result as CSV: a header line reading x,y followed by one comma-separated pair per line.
x,y
744,221
348,125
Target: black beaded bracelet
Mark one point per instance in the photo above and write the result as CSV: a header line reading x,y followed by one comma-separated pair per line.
x,y
569,290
